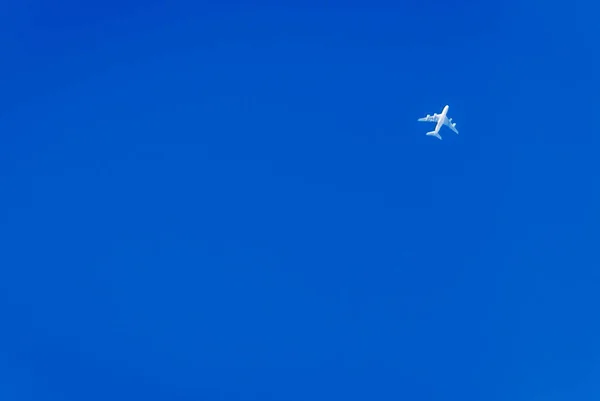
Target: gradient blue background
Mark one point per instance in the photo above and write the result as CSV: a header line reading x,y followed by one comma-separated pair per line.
x,y
236,202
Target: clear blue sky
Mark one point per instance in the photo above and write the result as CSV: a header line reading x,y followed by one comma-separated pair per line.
x,y
236,202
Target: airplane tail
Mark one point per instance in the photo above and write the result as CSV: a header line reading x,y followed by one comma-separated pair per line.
x,y
433,133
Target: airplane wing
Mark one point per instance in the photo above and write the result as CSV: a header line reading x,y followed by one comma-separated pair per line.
x,y
429,119
451,125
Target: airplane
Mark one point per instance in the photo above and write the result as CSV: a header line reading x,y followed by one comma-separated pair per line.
x,y
440,119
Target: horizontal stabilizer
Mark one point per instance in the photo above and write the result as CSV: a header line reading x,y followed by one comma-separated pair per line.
x,y
433,133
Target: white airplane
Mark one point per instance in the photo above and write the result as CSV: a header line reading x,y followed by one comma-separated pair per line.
x,y
440,119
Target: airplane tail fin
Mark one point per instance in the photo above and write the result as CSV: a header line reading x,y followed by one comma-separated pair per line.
x,y
433,133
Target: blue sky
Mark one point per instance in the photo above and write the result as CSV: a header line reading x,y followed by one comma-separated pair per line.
x,y
235,202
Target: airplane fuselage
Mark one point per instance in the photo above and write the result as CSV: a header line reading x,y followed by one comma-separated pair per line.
x,y
441,120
